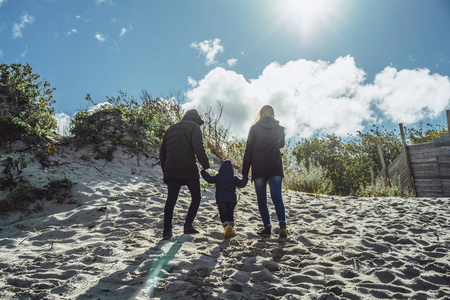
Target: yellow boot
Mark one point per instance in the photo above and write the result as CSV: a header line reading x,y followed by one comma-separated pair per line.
x,y
228,231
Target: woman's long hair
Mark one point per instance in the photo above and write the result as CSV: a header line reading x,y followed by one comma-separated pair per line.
x,y
266,110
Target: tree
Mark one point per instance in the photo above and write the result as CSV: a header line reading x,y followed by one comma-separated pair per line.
x,y
25,105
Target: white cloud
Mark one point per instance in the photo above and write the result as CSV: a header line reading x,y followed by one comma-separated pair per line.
x,y
63,124
192,82
125,30
407,96
209,48
2,53
25,19
70,32
231,62
24,53
81,18
2,2
100,37
114,46
321,97
100,2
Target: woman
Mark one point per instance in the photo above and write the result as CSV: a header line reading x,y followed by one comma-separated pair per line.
x,y
262,153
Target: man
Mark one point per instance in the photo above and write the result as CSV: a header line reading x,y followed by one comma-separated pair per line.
x,y
182,143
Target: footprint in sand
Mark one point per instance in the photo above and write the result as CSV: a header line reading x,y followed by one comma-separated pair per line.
x,y
385,276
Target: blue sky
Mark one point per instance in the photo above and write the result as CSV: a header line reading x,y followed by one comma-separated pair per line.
x,y
333,67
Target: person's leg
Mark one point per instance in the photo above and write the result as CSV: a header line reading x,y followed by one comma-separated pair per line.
x,y
196,196
275,185
173,189
231,207
229,229
261,195
223,212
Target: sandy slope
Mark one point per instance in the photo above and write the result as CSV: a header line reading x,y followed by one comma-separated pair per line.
x,y
105,243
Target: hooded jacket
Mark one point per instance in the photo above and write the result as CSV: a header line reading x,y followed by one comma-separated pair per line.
x,y
226,182
262,152
182,143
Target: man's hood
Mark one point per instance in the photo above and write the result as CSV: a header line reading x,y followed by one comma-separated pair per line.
x,y
226,167
194,116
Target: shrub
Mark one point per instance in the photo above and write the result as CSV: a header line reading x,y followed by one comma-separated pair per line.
x,y
25,193
380,189
348,162
300,176
424,135
10,165
125,121
19,199
25,105
217,139
58,189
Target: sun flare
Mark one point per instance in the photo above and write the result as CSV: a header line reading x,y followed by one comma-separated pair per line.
x,y
305,16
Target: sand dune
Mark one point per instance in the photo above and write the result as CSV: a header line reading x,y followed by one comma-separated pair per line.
x,y
105,243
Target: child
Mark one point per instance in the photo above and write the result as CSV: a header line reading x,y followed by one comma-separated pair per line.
x,y
226,183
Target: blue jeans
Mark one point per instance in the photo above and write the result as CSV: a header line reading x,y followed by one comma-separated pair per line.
x,y
173,189
275,183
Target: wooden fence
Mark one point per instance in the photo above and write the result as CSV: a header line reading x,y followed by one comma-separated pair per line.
x,y
429,165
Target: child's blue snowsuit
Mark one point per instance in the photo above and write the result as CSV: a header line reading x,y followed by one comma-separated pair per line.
x,y
226,183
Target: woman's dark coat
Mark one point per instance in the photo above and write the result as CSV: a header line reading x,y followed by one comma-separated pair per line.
x,y
262,152
183,142
226,182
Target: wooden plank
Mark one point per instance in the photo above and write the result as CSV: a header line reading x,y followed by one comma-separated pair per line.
x,y
425,165
407,160
429,151
426,172
383,164
427,175
430,194
447,113
441,142
428,179
424,157
418,147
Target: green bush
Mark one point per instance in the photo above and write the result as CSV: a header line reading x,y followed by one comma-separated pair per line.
x,y
26,113
20,198
305,177
380,189
25,194
424,135
348,162
124,121
11,165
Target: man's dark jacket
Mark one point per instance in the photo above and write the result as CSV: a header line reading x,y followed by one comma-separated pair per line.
x,y
183,142
226,182
262,152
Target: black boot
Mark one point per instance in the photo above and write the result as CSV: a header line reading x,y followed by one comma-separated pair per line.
x,y
283,230
189,229
167,234
266,232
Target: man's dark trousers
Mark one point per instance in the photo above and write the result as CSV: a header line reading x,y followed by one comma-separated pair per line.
x,y
173,189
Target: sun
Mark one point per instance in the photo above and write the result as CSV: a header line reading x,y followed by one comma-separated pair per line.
x,y
305,16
